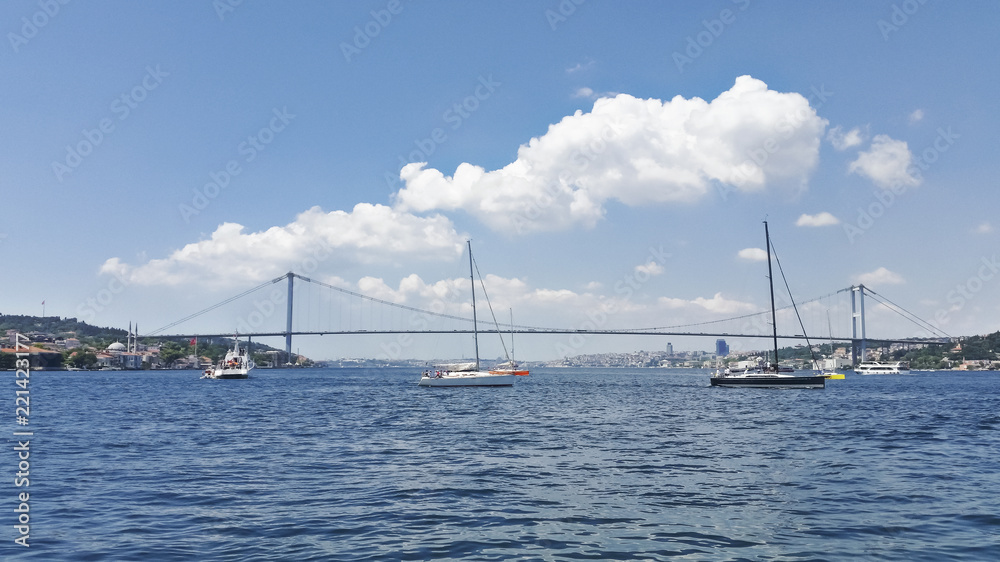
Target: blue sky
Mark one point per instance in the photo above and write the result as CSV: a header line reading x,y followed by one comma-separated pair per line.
x,y
160,157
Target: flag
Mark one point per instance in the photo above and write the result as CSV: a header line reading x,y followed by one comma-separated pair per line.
x,y
43,303
193,341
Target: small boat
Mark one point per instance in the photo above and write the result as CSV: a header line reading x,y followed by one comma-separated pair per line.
x,y
469,374
879,368
510,367
767,375
237,364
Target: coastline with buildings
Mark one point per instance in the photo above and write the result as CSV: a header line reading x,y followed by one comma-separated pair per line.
x,y
53,346
67,344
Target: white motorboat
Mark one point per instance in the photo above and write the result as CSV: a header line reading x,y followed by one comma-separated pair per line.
x,y
237,364
469,374
880,368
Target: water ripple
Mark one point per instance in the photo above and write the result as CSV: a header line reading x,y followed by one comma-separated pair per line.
x,y
566,465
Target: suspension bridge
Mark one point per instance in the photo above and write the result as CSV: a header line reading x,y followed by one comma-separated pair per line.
x,y
325,309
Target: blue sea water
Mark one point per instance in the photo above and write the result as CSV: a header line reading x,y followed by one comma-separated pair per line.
x,y
354,464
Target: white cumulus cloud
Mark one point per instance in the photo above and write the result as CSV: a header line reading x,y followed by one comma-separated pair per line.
x,y
752,254
880,276
651,269
634,151
822,219
917,116
842,141
231,256
717,304
887,163
984,228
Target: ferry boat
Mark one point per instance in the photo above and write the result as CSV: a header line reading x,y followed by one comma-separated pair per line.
x,y
879,368
236,365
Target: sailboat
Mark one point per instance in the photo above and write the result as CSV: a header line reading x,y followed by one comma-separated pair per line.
x,y
510,366
768,376
468,374
829,373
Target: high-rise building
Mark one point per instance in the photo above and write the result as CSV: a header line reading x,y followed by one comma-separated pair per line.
x,y
670,348
721,349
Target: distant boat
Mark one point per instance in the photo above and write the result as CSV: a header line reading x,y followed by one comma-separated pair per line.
x,y
879,368
468,374
237,364
831,374
510,367
767,376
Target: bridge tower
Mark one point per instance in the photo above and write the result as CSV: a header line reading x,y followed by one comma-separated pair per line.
x,y
857,294
288,319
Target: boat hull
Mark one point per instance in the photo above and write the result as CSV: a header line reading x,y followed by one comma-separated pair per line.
x,y
882,369
509,372
476,378
769,382
232,376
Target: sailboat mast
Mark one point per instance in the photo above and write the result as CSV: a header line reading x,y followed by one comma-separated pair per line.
x,y
770,279
511,311
475,323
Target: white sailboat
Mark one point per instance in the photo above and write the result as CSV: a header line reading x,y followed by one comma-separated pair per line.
x,y
237,364
829,373
467,374
510,366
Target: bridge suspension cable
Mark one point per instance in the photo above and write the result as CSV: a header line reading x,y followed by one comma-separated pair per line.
x,y
383,301
741,317
369,300
919,322
217,305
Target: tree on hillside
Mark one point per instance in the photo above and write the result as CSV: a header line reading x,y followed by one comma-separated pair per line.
x,y
172,351
83,360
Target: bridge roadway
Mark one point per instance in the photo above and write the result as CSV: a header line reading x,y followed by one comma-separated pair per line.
x,y
549,332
